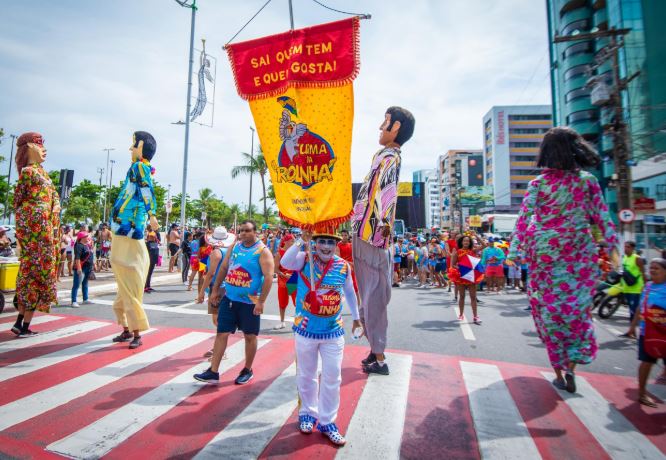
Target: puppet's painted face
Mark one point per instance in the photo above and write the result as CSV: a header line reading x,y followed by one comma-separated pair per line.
x,y
387,137
36,151
325,248
136,149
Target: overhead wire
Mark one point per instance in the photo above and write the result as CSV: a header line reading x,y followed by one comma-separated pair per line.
x,y
364,15
248,22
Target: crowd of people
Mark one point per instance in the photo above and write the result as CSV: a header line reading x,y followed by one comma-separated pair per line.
x,y
553,256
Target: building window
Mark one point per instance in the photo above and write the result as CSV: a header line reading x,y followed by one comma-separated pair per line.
x,y
519,186
524,144
527,130
577,94
576,71
544,117
523,172
580,25
523,157
578,48
582,115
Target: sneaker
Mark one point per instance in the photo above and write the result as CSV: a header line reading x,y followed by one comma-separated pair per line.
x,y
123,337
244,377
16,329
376,368
86,302
75,305
477,321
208,376
306,423
282,325
461,317
27,333
135,343
146,290
332,433
371,358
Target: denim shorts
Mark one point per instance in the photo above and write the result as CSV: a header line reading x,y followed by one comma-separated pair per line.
x,y
233,316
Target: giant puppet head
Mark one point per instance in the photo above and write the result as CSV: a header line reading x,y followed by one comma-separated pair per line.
x,y
143,146
325,244
397,127
30,150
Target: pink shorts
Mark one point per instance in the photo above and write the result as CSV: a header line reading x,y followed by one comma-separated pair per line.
x,y
496,271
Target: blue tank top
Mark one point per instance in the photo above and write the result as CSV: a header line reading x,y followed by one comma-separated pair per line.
x,y
321,318
244,276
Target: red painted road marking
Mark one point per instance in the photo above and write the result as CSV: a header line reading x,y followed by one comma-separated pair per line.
x,y
188,427
289,442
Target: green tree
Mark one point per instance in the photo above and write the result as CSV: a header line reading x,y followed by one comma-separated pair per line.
x,y
254,165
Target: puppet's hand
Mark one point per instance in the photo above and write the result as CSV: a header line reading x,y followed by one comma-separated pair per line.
x,y
153,223
386,231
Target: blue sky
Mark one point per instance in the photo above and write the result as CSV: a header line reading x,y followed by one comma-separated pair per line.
x,y
86,74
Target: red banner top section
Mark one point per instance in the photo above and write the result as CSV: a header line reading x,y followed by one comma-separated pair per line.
x,y
319,56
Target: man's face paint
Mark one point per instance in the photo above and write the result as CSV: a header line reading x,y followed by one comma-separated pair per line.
x,y
325,248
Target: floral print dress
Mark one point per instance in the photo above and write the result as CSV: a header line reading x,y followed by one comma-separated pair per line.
x,y
37,207
554,231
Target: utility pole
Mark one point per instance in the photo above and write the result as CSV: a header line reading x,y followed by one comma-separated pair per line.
x,y
183,200
618,127
100,171
5,214
111,173
249,203
106,192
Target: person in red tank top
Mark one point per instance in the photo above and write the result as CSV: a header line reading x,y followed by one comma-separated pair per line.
x,y
345,252
283,276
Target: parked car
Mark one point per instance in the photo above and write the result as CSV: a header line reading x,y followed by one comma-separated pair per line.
x,y
11,233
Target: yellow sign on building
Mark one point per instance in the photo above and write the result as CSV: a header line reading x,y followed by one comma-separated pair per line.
x,y
404,189
475,221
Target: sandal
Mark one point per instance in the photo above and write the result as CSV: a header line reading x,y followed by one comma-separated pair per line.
x,y
570,377
306,423
647,401
560,384
332,433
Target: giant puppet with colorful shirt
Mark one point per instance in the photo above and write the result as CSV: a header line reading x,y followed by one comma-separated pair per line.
x,y
299,85
129,256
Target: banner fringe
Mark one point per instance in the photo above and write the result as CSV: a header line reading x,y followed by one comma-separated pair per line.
x,y
322,226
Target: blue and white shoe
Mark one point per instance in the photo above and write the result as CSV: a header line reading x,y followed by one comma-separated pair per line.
x,y
332,433
208,376
306,423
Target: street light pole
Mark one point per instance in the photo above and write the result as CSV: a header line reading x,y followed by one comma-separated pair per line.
x,y
183,198
249,203
106,192
5,215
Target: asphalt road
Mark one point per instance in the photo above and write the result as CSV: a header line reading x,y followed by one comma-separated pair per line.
x,y
421,320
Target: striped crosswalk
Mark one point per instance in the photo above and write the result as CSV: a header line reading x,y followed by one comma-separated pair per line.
x,y
70,392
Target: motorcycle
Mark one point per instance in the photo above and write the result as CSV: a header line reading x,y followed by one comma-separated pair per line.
x,y
609,279
613,298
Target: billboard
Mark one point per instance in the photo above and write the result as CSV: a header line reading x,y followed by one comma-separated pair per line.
x,y
476,196
475,170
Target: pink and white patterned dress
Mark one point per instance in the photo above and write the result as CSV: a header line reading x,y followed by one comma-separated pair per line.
x,y
555,232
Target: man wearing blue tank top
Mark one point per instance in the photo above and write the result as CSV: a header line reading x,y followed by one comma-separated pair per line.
x,y
247,273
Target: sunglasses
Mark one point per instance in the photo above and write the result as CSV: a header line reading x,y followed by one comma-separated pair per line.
x,y
327,241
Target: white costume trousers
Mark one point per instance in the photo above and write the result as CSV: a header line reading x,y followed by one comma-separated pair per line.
x,y
319,399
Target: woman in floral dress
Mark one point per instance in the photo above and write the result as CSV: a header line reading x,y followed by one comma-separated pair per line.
x,y
554,231
37,208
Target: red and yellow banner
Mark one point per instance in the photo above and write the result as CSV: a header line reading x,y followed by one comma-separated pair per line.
x,y
299,87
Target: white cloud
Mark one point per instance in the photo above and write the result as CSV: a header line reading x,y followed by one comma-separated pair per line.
x,y
87,74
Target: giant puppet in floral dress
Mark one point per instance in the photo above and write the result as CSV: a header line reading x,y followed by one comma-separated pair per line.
x,y
37,208
554,231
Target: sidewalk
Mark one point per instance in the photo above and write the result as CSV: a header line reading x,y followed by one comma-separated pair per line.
x,y
105,282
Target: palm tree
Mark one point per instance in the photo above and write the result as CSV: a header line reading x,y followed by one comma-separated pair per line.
x,y
206,203
253,165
